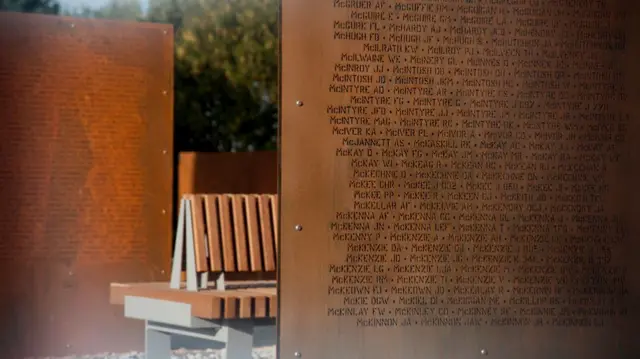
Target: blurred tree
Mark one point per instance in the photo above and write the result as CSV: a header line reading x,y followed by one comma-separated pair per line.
x,y
34,6
168,11
226,75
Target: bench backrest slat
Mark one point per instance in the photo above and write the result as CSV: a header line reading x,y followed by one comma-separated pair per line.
x,y
235,232
274,219
198,233
253,234
239,233
213,221
266,226
226,231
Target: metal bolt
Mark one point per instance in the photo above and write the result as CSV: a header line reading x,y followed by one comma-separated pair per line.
x,y
162,271
483,352
298,227
164,211
164,32
297,354
164,152
70,273
299,103
72,25
164,92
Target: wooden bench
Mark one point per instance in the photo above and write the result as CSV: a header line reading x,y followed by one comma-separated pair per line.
x,y
229,285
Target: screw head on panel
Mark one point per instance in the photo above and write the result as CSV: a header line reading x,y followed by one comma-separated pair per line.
x,y
297,354
298,227
164,92
299,103
164,152
72,25
483,352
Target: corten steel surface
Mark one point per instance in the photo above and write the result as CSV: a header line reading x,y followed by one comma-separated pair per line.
x,y
85,178
239,172
459,179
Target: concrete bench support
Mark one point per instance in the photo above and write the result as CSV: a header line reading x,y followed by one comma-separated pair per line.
x,y
166,319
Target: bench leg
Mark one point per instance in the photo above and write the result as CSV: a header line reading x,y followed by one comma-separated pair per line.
x,y
157,344
239,339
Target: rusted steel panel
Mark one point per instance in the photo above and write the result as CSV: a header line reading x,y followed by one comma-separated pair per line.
x,y
86,177
239,172
458,179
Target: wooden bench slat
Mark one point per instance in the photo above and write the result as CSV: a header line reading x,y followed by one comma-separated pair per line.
x,y
228,246
230,308
275,215
246,307
239,222
253,234
252,304
210,304
241,305
213,228
235,233
197,219
260,307
273,307
266,229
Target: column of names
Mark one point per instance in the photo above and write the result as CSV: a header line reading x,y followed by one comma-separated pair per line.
x,y
480,136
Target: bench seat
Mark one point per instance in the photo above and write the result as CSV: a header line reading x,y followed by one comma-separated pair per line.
x,y
228,244
247,300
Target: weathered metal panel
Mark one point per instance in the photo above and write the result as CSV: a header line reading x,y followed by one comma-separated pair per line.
x,y
232,172
458,179
85,177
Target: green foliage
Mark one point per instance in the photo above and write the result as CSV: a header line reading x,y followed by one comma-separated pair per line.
x,y
226,75
32,6
169,11
225,72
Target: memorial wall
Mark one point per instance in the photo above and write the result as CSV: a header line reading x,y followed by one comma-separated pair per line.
x,y
458,179
85,178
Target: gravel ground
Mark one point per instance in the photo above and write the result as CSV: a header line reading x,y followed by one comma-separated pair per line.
x,y
258,353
